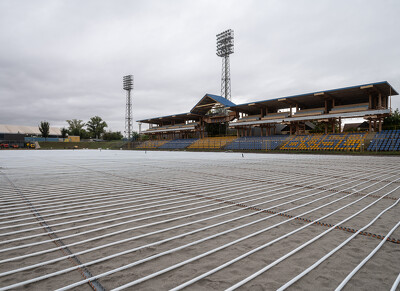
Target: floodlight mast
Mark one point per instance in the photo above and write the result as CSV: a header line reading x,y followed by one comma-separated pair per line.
x,y
224,49
128,86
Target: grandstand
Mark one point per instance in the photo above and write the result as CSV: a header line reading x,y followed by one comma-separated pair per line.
x,y
330,107
259,125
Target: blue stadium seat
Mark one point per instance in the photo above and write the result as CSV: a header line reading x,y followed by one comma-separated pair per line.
x,y
386,140
178,143
256,143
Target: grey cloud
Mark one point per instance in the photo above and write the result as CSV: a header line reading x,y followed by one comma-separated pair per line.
x,y
65,59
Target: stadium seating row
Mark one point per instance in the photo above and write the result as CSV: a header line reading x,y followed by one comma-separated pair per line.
x,y
257,143
178,143
211,142
152,144
330,142
230,143
386,140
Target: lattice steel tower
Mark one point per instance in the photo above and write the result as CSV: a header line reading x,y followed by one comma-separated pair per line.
x,y
224,49
128,86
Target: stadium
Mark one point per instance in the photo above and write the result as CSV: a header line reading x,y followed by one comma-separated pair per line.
x,y
204,210
273,194
282,123
223,220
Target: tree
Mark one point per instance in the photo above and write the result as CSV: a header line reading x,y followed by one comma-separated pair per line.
x,y
44,128
135,135
392,121
112,135
95,126
64,132
76,127
320,127
214,129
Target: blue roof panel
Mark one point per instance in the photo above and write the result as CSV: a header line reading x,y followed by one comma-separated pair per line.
x,y
221,100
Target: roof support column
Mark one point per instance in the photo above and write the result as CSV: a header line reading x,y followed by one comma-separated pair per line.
x,y
326,127
369,125
370,101
333,125
340,124
202,128
380,124
379,101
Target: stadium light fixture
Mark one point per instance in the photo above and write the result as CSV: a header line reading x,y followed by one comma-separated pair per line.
x,y
128,86
224,49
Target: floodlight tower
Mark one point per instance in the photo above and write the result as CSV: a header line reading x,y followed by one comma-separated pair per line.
x,y
128,86
224,49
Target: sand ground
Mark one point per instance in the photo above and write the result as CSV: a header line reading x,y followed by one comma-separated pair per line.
x,y
142,209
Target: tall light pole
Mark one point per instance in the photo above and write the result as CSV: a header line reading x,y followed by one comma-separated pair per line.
x,y
224,49
128,86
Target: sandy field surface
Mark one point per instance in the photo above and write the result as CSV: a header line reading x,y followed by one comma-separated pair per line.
x,y
113,220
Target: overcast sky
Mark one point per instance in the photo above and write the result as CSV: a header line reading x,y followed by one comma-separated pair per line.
x,y
64,59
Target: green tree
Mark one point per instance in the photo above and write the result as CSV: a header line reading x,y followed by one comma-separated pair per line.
x,y
320,127
112,135
214,129
392,121
44,128
135,135
75,127
96,126
64,132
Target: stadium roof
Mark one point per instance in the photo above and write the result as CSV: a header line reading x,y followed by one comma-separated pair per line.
x,y
178,118
34,130
201,108
208,102
347,95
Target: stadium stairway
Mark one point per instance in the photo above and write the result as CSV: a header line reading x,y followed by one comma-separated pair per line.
x,y
212,142
386,140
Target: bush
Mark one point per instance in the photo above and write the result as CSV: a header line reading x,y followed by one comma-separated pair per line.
x,y
112,135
